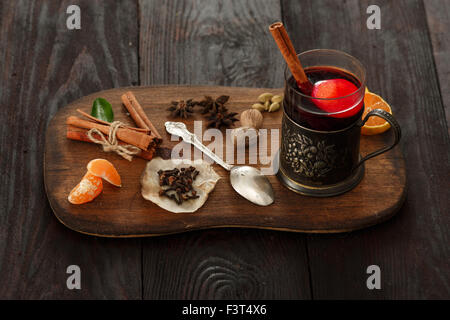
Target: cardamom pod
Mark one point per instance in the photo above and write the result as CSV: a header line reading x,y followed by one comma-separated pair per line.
x,y
259,107
263,98
274,107
277,98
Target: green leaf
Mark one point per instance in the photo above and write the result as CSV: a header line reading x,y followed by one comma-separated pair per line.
x,y
101,109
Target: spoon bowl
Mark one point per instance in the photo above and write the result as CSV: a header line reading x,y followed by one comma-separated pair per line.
x,y
250,183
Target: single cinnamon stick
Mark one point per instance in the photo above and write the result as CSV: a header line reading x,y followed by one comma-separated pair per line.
x,y
133,113
290,56
79,134
87,115
135,138
138,114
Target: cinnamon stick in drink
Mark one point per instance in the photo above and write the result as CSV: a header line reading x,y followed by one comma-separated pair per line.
x,y
284,43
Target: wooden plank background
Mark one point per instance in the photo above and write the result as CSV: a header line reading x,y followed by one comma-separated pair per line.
x,y
44,66
438,18
412,249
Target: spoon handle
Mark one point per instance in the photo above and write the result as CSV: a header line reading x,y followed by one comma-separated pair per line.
x,y
179,129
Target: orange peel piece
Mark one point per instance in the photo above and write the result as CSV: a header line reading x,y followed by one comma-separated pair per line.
x,y
374,125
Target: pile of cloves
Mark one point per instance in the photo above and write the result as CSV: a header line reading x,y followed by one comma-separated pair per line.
x,y
176,184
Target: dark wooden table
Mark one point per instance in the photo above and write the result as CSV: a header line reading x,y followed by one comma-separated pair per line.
x,y
44,66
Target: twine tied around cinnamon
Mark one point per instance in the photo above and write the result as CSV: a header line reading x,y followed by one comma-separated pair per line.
x,y
127,151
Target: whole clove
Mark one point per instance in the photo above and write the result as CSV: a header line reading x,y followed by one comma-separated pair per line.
x,y
176,184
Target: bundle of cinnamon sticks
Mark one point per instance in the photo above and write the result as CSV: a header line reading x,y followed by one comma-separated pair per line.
x,y
145,136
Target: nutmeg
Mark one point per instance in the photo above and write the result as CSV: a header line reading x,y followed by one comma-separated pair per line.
x,y
252,118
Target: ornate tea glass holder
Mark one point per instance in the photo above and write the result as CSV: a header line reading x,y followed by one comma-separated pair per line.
x,y
325,163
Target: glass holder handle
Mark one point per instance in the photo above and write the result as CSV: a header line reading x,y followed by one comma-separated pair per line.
x,y
395,127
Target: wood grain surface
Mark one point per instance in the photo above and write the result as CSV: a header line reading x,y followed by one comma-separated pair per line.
x,y
125,213
44,66
438,18
196,42
412,249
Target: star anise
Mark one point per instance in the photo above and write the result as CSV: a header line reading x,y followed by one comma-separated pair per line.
x,y
221,117
209,104
182,109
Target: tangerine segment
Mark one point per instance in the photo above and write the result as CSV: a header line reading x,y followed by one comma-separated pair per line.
x,y
87,190
104,169
375,125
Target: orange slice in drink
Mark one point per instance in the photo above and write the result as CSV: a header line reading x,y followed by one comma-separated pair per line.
x,y
104,169
374,125
87,190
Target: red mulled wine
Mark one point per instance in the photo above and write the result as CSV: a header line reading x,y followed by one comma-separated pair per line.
x,y
336,102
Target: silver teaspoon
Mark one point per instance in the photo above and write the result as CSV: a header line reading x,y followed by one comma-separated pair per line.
x,y
248,181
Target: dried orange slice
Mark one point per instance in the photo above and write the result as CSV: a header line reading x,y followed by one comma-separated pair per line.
x,y
87,190
374,125
104,169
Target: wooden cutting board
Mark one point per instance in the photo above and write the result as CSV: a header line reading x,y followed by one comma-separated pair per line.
x,y
122,212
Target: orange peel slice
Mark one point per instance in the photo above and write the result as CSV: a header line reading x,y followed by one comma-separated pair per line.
x,y
374,125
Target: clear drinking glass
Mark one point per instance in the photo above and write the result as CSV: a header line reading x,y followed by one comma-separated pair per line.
x,y
320,113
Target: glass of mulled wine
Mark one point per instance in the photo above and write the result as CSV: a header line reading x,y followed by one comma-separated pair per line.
x,y
319,154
